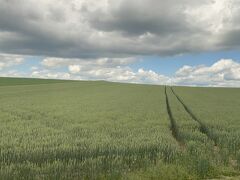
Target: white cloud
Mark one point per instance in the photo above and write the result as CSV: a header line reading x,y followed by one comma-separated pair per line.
x,y
224,72
49,75
110,69
7,60
52,62
152,77
74,69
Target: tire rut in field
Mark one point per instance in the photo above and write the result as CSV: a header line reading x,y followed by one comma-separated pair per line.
x,y
173,127
202,127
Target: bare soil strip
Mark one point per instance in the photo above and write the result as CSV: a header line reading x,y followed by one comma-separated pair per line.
x,y
174,127
202,127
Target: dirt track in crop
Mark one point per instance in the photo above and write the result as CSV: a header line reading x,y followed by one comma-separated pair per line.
x,y
174,127
202,127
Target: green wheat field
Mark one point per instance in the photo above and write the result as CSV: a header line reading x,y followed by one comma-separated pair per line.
x,y
55,129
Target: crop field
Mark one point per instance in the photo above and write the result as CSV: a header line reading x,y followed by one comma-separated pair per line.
x,y
53,129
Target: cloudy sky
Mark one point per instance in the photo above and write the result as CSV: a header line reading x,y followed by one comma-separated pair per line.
x,y
187,42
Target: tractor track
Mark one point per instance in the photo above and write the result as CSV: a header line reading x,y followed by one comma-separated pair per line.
x,y
173,127
202,127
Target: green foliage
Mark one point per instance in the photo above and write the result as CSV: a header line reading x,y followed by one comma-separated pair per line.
x,y
54,129
6,81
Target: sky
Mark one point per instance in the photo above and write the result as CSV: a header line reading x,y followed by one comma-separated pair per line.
x,y
187,42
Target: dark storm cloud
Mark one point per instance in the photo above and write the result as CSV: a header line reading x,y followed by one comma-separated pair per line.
x,y
109,28
231,39
139,17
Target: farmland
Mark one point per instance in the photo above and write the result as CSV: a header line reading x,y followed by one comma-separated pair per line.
x,y
54,129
